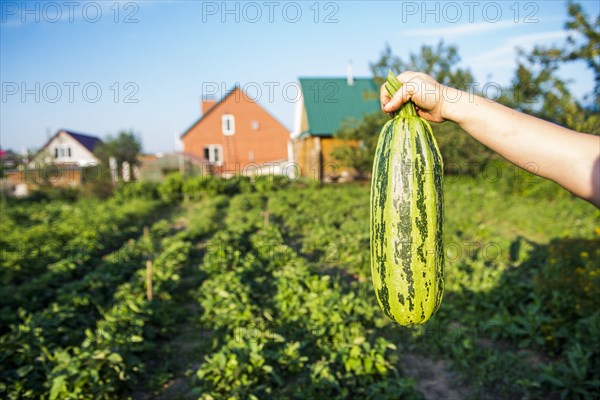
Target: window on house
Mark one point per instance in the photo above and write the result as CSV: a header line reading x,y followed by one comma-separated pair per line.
x,y
56,152
228,123
213,154
69,152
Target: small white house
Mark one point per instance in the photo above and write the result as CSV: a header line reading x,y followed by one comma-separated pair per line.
x,y
67,147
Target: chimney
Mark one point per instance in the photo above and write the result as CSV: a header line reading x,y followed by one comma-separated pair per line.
x,y
350,76
207,104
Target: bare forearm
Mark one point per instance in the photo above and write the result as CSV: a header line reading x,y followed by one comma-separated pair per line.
x,y
570,158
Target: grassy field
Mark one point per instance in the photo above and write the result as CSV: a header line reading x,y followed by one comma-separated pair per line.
x,y
262,290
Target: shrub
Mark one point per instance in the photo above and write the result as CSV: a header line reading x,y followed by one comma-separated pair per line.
x,y
144,189
171,189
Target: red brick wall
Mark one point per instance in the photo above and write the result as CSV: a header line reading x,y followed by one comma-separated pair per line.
x,y
267,143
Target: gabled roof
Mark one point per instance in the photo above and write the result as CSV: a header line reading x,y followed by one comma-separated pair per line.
x,y
210,110
328,101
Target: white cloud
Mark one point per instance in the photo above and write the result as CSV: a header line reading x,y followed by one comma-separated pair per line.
x,y
460,30
504,55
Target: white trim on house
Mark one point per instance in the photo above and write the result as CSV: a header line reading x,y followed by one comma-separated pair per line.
x,y
298,111
228,124
63,153
290,151
212,154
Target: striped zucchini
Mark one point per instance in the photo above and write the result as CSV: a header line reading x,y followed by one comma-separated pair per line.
x,y
407,258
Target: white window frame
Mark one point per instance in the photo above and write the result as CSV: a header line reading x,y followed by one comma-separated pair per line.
x,y
228,124
211,153
63,152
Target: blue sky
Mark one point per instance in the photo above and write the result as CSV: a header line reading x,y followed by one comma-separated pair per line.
x,y
105,66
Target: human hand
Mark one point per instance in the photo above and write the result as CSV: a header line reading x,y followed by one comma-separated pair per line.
x,y
423,90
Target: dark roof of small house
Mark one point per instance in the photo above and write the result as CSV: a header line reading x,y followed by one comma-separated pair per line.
x,y
87,141
329,101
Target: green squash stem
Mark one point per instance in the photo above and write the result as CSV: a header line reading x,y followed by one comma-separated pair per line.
x,y
407,109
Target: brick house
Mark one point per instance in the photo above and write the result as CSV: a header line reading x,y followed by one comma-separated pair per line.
x,y
236,135
325,103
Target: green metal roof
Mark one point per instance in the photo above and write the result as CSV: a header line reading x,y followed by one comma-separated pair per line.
x,y
328,101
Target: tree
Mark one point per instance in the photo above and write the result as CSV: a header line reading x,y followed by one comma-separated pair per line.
x,y
536,88
366,132
582,44
462,153
126,147
440,61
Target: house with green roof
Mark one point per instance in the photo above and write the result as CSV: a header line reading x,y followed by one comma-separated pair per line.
x,y
324,104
